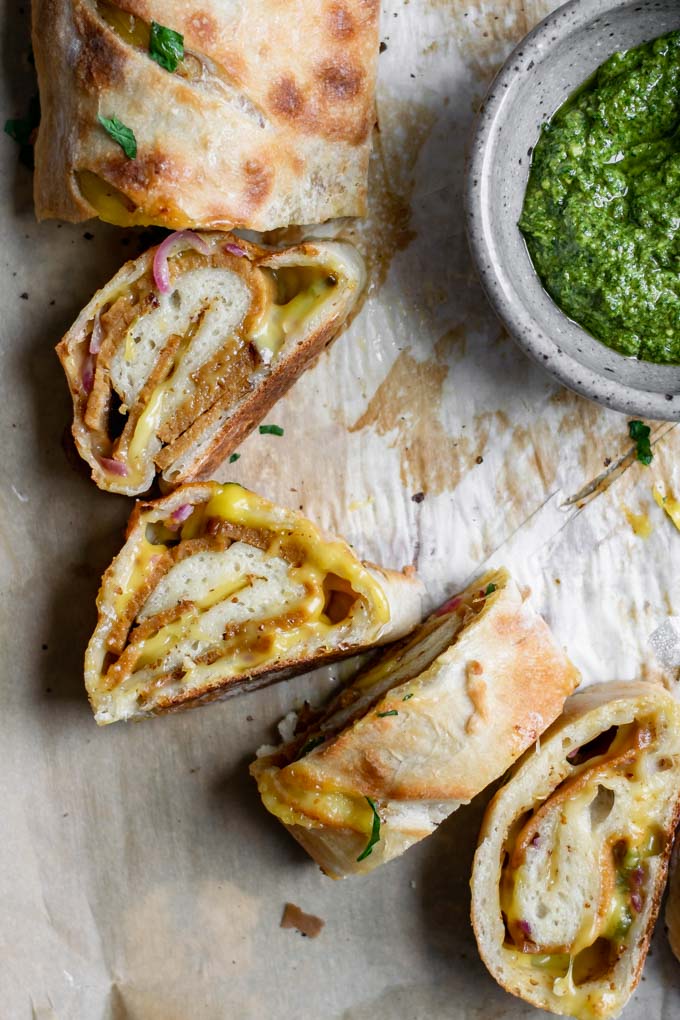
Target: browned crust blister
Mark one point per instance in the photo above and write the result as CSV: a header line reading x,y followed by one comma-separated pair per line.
x,y
277,132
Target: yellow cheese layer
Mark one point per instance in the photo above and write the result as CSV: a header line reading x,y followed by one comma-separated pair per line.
x,y
301,292
112,206
260,640
669,504
321,557
137,574
313,808
296,294
611,925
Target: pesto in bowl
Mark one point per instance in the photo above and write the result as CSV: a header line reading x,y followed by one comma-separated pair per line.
x,y
601,214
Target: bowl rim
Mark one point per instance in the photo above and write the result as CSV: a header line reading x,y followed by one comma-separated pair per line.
x,y
515,314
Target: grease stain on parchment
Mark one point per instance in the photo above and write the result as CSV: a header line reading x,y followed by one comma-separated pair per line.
x,y
406,407
488,31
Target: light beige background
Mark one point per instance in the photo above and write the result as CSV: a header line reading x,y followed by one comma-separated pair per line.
x,y
140,878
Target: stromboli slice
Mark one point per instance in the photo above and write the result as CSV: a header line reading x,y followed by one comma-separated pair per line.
x,y
265,120
672,917
573,852
173,382
217,590
421,731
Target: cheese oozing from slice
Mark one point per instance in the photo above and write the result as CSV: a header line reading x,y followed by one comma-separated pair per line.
x,y
226,606
576,870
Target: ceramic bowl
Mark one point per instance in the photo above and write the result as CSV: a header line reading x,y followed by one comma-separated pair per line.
x,y
546,67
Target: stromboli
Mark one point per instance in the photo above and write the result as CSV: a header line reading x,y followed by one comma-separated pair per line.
x,y
419,732
266,121
172,382
217,590
574,849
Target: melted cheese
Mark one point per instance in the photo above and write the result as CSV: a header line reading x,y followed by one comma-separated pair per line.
x,y
296,293
112,206
311,809
145,553
259,640
321,557
288,314
131,29
612,923
669,504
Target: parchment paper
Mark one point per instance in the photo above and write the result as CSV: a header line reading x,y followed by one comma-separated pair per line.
x,y
140,878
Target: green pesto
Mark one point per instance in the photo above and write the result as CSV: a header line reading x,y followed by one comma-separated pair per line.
x,y
602,207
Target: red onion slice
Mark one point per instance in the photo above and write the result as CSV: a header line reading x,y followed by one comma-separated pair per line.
x,y
87,374
161,270
96,336
234,249
525,928
449,606
182,512
114,467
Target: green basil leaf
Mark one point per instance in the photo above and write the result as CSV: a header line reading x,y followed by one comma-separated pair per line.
x,y
234,457
407,696
490,588
640,433
375,833
310,745
271,430
122,134
21,129
166,46
381,715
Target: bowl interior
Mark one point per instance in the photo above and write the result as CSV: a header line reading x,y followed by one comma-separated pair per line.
x,y
542,72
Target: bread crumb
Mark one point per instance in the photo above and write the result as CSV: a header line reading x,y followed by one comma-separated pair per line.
x,y
307,924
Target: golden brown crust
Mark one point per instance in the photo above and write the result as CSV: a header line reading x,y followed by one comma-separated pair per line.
x,y
266,122
400,734
225,663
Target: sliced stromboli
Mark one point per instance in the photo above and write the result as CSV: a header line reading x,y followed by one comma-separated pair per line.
x,y
174,362
672,916
421,731
216,591
220,113
574,849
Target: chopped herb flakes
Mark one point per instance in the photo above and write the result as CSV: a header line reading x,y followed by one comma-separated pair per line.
x,y
166,46
375,833
639,433
271,430
120,133
407,696
490,588
234,457
392,711
22,130
311,744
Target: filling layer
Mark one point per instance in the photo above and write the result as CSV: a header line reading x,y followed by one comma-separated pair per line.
x,y
221,588
576,868
285,787
154,368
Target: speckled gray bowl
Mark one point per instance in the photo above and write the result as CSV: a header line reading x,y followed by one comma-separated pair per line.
x,y
540,74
